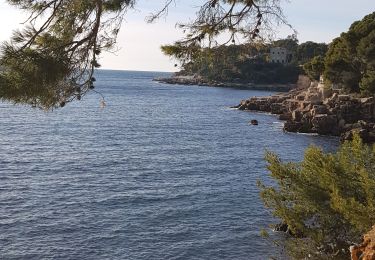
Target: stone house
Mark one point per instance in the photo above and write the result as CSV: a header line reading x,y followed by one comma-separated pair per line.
x,y
280,55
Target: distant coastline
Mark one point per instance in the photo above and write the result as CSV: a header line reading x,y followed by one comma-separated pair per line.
x,y
199,81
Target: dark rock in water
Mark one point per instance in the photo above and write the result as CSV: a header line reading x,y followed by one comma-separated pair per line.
x,y
254,122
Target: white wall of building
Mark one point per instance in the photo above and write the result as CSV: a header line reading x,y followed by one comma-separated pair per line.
x,y
278,55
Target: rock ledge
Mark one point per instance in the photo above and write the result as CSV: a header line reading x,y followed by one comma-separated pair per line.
x,y
319,110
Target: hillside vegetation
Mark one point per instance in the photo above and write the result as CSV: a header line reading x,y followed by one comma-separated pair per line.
x,y
347,63
247,63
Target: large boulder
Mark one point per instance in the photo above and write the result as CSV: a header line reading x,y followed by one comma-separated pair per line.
x,y
367,111
300,97
292,126
291,104
298,127
305,105
252,105
303,82
350,111
367,134
342,124
285,116
319,109
264,104
325,124
297,115
277,108
313,97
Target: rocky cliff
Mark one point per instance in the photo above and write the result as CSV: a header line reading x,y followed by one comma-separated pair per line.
x,y
319,110
366,250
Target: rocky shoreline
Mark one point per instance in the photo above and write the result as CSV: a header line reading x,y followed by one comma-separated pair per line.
x,y
319,110
194,80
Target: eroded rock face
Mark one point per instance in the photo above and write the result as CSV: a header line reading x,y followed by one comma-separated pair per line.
x,y
325,124
312,110
319,110
277,108
365,251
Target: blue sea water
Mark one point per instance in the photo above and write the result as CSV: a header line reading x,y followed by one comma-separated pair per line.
x,y
162,172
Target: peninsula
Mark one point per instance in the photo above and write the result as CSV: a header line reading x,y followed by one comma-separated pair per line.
x,y
272,66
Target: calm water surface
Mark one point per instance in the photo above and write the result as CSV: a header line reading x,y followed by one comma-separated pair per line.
x,y
163,172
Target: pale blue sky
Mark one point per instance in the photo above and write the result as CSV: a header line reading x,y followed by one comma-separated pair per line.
x,y
139,42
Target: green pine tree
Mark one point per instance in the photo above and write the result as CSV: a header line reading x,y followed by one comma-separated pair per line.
x,y
327,200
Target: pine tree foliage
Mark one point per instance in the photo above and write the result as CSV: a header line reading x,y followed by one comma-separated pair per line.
x,y
327,200
314,68
252,21
350,60
52,60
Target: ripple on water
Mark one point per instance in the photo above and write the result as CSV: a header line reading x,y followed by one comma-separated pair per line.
x,y
163,172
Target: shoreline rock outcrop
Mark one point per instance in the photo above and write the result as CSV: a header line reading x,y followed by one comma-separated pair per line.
x,y
319,110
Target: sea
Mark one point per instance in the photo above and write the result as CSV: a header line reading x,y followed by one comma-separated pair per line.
x,y
161,172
